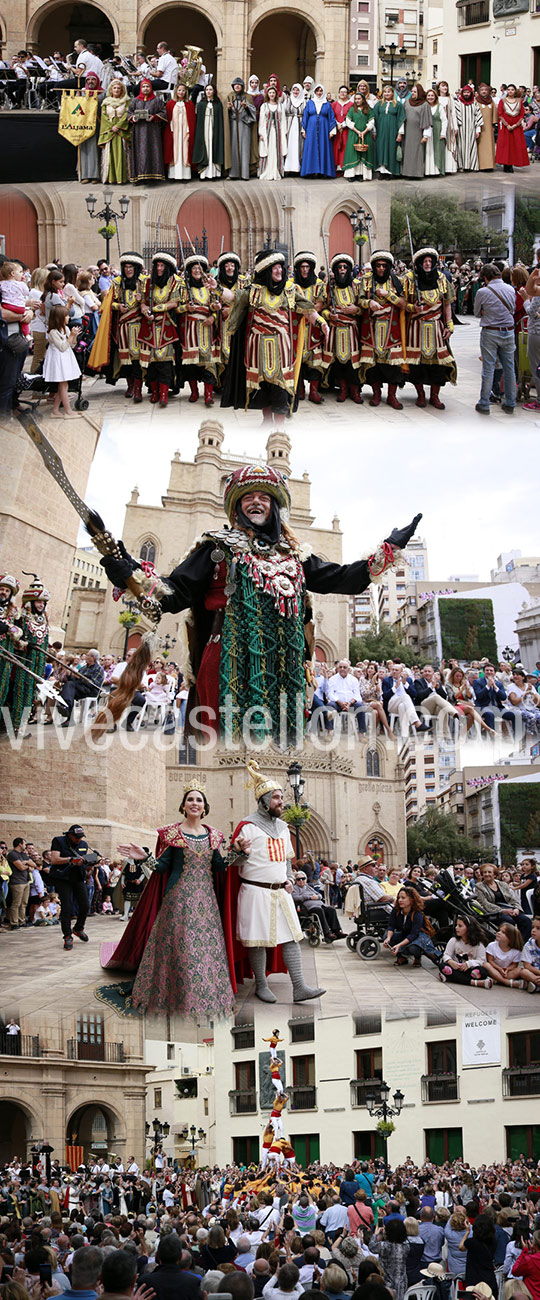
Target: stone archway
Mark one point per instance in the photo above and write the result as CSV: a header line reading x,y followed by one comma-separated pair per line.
x,y
55,26
286,43
19,225
202,212
95,1127
180,25
380,845
315,837
18,1127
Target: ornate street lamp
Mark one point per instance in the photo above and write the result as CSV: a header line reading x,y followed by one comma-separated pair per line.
x,y
108,215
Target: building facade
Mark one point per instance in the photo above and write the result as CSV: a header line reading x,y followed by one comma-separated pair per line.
x,y
494,41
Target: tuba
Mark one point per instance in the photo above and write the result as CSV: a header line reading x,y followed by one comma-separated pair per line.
x,y
190,65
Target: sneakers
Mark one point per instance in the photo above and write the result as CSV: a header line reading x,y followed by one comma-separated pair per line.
x,y
509,410
531,406
482,410
80,934
68,943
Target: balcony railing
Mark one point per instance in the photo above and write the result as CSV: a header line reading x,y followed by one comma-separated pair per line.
x,y
243,1101
19,1044
473,13
521,1081
111,1053
303,1097
440,1087
361,1088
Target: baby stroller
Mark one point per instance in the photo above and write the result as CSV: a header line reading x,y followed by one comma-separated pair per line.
x,y
34,388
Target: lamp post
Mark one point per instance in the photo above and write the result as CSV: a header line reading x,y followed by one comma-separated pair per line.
x,y
361,220
298,785
107,214
131,606
169,643
160,1131
47,1150
385,1112
194,1137
392,52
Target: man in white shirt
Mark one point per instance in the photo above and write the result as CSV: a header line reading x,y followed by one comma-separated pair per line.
x,y
344,694
89,61
167,66
133,1167
334,1219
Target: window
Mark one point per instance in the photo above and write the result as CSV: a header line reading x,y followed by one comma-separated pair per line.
x,y
368,1146
303,1071
244,1075
434,1018
244,1097
302,1031
362,60
369,1074
368,1024
391,16
362,34
409,42
363,7
409,16
435,46
306,1148
206,1106
157,1098
444,1144
83,580
75,579
170,1051
246,1150
523,1139
243,1037
372,763
90,1036
148,552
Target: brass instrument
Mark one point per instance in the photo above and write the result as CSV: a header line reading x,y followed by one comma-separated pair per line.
x,y
189,66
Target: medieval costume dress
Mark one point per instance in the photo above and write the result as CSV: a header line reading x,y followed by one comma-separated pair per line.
x,y
233,281
295,141
209,146
417,127
314,290
10,633
148,115
179,137
255,97
242,118
389,116
175,938
435,155
358,165
197,310
428,352
265,324
247,587
34,626
125,324
450,162
511,144
319,127
272,140
158,331
341,108
469,123
486,142
115,136
341,351
88,168
382,332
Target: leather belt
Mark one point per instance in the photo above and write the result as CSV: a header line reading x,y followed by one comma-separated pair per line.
x,y
262,884
497,327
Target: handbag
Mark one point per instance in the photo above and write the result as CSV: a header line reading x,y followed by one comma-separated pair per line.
x,y
399,153
15,343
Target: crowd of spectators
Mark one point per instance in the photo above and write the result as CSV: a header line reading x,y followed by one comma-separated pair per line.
x,y
362,1231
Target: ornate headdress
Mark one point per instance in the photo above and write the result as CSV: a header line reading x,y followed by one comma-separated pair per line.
x,y
305,257
381,255
425,252
196,258
341,257
252,478
194,784
134,258
35,590
165,257
228,257
265,259
261,784
7,580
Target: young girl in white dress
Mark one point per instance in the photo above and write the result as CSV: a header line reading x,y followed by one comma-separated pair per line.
x,y
60,365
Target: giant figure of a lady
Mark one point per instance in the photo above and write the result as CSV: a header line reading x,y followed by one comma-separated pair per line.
x,y
175,936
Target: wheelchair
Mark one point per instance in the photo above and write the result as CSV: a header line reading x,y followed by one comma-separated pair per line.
x,y
310,925
370,926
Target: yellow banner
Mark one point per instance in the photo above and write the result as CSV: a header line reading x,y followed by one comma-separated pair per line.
x,y
78,115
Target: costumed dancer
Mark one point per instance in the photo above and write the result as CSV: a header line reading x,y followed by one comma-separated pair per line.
x,y
319,127
158,334
34,626
148,116
198,309
247,585
383,328
209,146
341,353
314,289
341,107
242,118
125,323
178,139
429,297
265,317
175,937
229,277
10,632
265,913
274,1040
469,124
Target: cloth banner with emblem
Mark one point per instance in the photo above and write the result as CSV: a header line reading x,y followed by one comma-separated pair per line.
x,y
74,1157
78,115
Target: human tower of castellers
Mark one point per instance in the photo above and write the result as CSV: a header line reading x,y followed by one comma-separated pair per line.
x,y
258,338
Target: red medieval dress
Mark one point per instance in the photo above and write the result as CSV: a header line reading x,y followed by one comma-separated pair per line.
x,y
511,148
339,143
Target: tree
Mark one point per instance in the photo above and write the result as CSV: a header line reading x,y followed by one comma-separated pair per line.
x,y
438,837
381,645
526,227
444,224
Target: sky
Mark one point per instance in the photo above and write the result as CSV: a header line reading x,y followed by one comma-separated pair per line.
x,y
476,488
